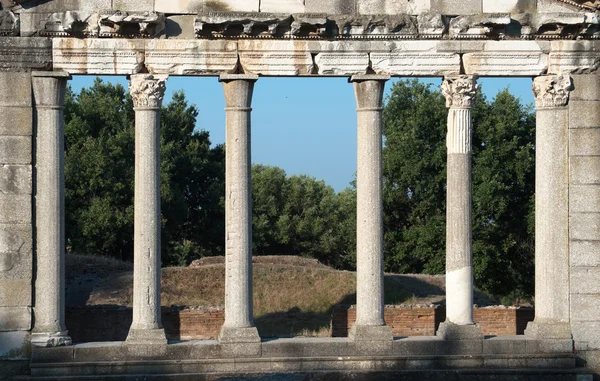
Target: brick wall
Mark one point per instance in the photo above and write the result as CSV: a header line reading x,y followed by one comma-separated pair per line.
x,y
111,323
409,321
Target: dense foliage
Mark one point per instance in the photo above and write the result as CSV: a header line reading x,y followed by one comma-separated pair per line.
x,y
299,215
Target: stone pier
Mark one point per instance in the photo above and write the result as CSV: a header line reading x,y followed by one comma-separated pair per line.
x,y
239,322
370,325
49,96
147,92
460,94
552,291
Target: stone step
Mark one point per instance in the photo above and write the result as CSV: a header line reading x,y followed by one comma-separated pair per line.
x,y
578,374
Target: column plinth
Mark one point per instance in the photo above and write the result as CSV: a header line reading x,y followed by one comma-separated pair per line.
x,y
147,92
239,322
552,320
49,311
370,324
460,93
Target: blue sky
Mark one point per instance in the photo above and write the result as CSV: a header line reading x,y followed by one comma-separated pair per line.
x,y
303,125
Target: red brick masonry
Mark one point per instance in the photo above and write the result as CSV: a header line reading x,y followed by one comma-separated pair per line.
x,y
415,321
111,323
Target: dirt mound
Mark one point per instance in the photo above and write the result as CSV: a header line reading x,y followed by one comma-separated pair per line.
x,y
283,260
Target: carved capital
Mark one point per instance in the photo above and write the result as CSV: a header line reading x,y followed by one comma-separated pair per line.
x,y
147,90
459,91
552,90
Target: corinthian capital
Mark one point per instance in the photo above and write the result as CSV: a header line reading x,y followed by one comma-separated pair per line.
x,y
459,90
552,90
147,90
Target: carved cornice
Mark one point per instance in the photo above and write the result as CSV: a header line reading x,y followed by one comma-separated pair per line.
x,y
459,91
147,91
552,91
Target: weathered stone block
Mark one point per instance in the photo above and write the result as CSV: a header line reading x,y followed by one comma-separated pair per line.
x,y
584,226
179,6
507,58
584,169
15,149
15,179
231,5
392,7
16,251
584,307
584,142
584,198
111,56
333,7
586,87
180,27
191,57
16,121
282,6
509,6
585,280
15,209
14,345
457,7
15,293
585,253
459,347
553,6
415,346
302,347
17,54
586,335
67,5
133,5
584,114
16,88
505,345
578,57
275,57
15,319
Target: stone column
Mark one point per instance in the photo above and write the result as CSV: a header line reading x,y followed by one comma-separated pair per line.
x,y
239,323
552,211
49,94
460,93
370,324
147,92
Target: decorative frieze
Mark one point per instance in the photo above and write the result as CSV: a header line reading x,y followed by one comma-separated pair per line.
x,y
552,91
131,24
71,23
500,58
418,58
459,91
98,56
147,91
364,25
275,57
238,23
479,26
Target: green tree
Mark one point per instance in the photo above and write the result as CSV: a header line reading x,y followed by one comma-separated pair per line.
x,y
99,169
503,185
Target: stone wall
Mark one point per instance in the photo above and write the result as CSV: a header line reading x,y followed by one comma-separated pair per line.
x,y
448,7
584,211
407,321
16,256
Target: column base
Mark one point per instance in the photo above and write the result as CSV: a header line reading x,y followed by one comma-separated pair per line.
x,y
451,331
51,339
371,333
235,335
548,330
147,336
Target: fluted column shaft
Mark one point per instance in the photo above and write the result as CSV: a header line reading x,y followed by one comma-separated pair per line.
x,y
147,92
460,94
239,323
551,209
370,324
49,93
